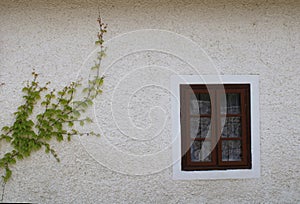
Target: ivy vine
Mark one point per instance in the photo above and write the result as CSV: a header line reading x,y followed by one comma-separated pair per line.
x,y
33,131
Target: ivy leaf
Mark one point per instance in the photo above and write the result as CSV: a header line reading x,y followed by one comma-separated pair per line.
x,y
76,113
7,175
89,120
25,89
89,102
20,156
8,138
85,90
5,128
84,105
59,137
13,161
44,103
99,42
69,138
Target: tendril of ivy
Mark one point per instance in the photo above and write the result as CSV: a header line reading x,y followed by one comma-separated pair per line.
x,y
55,120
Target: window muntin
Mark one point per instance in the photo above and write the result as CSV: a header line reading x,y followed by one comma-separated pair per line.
x,y
221,140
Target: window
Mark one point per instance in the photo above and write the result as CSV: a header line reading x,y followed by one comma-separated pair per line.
x,y
215,127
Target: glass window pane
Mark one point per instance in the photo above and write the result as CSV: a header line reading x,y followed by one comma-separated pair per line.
x,y
200,127
200,151
231,127
200,103
231,104
231,150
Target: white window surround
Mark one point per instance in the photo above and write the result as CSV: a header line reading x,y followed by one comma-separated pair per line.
x,y
254,172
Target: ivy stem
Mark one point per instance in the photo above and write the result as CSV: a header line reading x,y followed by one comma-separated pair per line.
x,y
46,108
31,131
94,82
3,190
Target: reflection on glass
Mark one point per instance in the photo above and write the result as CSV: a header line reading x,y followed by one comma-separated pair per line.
x,y
200,151
231,127
200,103
231,150
231,104
200,127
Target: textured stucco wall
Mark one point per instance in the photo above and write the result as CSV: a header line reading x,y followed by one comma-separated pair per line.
x,y
241,37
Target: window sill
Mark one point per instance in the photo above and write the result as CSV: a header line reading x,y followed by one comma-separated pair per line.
x,y
215,174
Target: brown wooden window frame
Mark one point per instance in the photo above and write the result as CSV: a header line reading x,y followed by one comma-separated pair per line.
x,y
215,91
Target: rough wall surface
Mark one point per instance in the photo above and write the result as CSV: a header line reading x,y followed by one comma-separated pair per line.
x,y
241,37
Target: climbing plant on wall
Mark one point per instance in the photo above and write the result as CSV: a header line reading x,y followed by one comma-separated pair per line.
x,y
34,127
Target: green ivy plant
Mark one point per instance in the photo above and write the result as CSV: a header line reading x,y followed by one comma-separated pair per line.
x,y
33,131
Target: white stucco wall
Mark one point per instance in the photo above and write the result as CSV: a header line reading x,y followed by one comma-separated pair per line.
x,y
240,37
